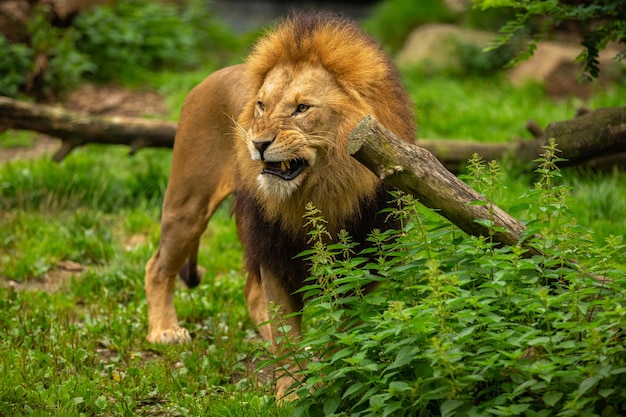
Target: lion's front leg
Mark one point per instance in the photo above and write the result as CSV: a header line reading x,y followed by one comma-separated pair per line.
x,y
257,306
283,339
162,318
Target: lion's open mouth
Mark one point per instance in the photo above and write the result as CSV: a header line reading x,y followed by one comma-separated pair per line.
x,y
286,170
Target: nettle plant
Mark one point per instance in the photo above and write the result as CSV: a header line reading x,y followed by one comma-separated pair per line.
x,y
461,326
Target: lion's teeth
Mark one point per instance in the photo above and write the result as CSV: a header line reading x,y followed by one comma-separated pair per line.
x,y
285,165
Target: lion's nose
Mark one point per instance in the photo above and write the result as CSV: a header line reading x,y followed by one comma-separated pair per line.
x,y
262,146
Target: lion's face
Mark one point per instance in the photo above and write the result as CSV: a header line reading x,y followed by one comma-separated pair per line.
x,y
294,121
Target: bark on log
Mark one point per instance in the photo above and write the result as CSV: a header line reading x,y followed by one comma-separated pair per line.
x,y
454,154
76,129
598,133
416,171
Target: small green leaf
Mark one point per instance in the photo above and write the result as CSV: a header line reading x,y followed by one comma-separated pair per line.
x,y
552,398
587,384
354,388
449,406
331,405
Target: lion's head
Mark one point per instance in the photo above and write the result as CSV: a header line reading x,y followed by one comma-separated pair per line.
x,y
312,79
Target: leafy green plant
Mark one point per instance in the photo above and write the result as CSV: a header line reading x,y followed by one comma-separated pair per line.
x,y
132,36
15,61
475,60
463,327
65,64
49,65
117,42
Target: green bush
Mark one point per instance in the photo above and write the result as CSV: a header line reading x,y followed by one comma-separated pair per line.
x,y
49,65
463,327
118,42
474,60
133,35
15,62
65,64
126,39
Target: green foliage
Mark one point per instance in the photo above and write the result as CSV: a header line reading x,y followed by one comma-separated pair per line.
x,y
117,42
134,35
391,21
474,60
50,64
463,327
65,65
603,22
15,61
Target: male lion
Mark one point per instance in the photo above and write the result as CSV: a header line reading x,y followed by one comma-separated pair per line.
x,y
300,93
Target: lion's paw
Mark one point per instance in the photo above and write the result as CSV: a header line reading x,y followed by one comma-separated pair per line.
x,y
170,336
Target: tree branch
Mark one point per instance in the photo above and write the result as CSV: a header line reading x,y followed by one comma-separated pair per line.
x,y
416,171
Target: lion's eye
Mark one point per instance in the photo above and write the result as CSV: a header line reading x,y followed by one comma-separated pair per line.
x,y
260,106
302,108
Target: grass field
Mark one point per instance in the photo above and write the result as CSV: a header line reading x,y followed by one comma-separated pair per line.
x,y
75,236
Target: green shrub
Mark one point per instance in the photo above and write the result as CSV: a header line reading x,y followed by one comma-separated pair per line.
x,y
15,62
49,65
463,327
131,36
117,42
65,64
474,60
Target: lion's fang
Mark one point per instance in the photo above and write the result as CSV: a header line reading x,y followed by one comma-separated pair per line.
x,y
285,165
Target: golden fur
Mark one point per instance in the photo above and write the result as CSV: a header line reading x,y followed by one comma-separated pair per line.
x,y
302,90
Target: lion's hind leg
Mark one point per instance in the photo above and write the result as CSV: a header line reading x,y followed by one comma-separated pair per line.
x,y
189,273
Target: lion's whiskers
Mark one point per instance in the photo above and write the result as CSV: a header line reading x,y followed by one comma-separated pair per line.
x,y
240,131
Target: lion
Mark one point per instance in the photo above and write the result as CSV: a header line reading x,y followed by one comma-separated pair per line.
x,y
273,132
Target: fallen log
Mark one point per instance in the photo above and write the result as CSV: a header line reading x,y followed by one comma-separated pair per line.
x,y
598,134
76,129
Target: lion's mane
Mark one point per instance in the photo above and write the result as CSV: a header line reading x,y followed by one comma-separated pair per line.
x,y
356,60
371,85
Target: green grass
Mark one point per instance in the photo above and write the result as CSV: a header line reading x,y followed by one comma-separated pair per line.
x,y
80,350
490,109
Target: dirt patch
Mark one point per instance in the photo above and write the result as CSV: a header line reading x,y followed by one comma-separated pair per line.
x,y
116,101
52,280
43,145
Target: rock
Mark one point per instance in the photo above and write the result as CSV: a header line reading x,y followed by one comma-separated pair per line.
x,y
553,65
436,45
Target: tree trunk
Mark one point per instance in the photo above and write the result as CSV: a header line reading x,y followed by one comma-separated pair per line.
x,y
416,171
